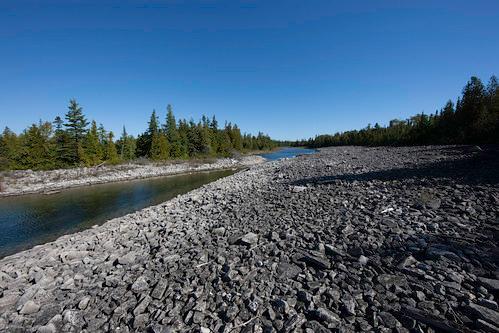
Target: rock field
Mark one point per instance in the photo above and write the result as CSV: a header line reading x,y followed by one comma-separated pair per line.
x,y
27,181
348,239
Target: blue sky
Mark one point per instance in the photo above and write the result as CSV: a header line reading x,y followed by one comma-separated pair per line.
x,y
291,69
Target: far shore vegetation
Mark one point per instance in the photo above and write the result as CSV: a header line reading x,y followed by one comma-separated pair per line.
x,y
472,119
76,142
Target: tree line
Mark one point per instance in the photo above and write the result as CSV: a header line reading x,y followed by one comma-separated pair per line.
x,y
473,118
76,142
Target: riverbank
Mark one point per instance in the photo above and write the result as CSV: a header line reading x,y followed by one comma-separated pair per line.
x,y
30,182
350,238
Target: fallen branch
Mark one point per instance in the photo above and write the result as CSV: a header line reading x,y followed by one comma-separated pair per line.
x,y
243,324
204,264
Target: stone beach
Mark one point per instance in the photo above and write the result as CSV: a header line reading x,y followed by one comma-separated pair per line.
x,y
28,182
348,239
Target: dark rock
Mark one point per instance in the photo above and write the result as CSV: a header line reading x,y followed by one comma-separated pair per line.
x,y
316,260
325,316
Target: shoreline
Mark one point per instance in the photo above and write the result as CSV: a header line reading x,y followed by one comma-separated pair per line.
x,y
26,182
350,238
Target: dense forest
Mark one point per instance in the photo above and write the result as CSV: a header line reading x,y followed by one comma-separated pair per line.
x,y
474,118
76,142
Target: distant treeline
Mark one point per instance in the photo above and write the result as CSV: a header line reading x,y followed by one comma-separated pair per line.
x,y
72,142
474,118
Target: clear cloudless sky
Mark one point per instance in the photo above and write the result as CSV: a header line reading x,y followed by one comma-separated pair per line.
x,y
292,69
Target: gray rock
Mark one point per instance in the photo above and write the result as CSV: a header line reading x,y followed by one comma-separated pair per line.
x,y
82,305
249,239
490,284
316,260
281,306
487,327
49,328
389,320
159,289
29,307
140,285
287,270
483,313
325,316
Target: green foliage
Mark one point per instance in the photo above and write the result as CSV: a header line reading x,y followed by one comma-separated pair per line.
x,y
144,141
126,146
93,148
76,124
173,135
159,147
111,152
70,143
9,146
473,119
35,151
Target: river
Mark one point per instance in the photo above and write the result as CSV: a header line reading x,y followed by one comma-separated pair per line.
x,y
29,220
287,152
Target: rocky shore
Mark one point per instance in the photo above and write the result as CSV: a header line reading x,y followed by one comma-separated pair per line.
x,y
348,239
28,182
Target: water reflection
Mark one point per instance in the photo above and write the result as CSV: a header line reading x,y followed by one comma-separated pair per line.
x,y
36,219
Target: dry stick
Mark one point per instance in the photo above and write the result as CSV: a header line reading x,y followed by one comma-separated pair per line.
x,y
244,324
204,264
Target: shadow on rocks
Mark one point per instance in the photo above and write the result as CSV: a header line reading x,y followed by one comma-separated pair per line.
x,y
468,165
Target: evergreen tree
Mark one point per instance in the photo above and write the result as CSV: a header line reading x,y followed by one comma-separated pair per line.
x,y
111,152
183,133
236,138
93,148
62,145
126,145
35,151
9,147
159,147
75,128
172,134
144,141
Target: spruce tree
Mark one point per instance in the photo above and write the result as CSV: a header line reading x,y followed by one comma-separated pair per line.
x,y
159,147
111,152
62,145
144,144
172,134
75,128
9,148
93,148
126,146
35,151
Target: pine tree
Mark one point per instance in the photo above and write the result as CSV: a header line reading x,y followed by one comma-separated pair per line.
x,y
236,138
159,147
171,131
93,148
35,151
214,136
126,145
62,145
183,133
144,141
9,147
472,107
111,152
76,128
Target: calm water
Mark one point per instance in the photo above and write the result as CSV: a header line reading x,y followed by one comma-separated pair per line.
x,y
29,220
287,152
